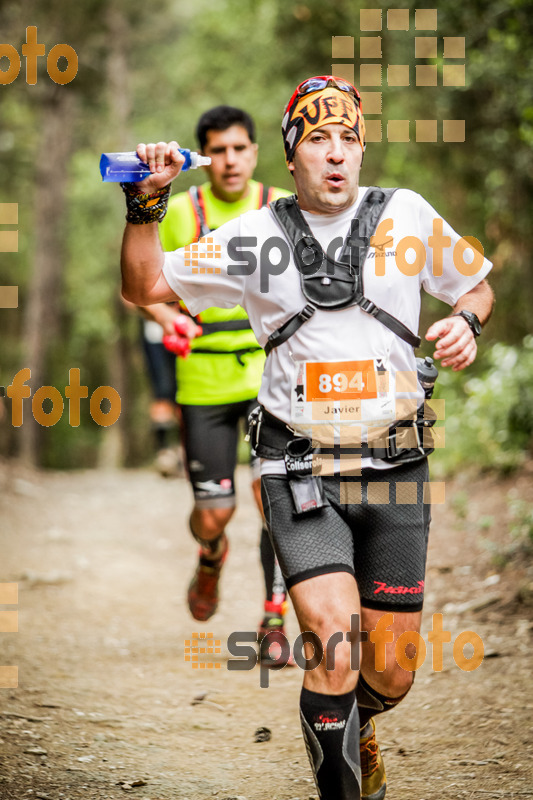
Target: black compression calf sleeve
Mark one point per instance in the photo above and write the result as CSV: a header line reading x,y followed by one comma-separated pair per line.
x,y
330,725
268,560
161,436
370,702
274,584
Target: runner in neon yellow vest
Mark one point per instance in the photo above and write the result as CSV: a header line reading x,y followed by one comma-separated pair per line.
x,y
219,381
218,378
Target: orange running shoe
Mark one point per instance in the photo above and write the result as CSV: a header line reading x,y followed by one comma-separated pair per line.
x,y
202,595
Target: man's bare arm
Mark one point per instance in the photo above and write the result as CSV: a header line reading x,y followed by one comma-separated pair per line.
x,y
480,300
457,346
141,263
168,316
143,282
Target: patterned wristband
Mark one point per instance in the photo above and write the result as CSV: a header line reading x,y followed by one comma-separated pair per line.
x,y
145,208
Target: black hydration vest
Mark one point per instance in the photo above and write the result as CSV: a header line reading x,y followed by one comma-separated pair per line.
x,y
330,284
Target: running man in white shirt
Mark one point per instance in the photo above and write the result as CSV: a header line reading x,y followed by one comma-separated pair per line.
x,y
333,298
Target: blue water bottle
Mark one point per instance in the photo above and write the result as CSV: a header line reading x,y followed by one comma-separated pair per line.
x,y
128,167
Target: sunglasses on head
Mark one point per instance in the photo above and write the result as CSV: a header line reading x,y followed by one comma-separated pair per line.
x,y
322,82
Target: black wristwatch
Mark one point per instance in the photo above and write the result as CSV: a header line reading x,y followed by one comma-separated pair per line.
x,y
471,318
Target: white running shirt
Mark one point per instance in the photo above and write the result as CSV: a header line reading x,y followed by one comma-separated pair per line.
x,y
203,276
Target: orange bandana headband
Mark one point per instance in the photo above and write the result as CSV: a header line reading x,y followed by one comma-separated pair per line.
x,y
317,108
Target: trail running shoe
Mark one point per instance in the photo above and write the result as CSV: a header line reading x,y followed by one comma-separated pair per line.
x,y
272,628
169,463
372,766
202,595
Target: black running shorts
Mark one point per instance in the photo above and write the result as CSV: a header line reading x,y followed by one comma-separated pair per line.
x,y
210,437
383,544
161,365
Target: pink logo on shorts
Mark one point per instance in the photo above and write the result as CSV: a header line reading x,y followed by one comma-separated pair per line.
x,y
382,587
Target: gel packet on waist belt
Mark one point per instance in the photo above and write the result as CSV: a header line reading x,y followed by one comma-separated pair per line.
x,y
128,167
306,489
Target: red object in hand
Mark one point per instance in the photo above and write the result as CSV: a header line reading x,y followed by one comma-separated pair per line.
x,y
186,326
179,345
181,326
180,342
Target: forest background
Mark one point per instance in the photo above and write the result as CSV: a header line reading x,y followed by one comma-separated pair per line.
x,y
146,72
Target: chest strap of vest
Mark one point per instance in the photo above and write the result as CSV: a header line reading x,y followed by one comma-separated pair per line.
x,y
224,326
204,351
289,328
198,205
347,273
389,321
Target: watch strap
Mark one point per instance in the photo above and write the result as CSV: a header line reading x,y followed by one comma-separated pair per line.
x,y
471,319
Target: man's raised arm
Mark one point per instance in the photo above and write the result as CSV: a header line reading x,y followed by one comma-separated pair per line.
x,y
142,257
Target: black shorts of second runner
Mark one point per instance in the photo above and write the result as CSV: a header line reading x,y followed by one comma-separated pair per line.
x,y
161,365
375,527
210,436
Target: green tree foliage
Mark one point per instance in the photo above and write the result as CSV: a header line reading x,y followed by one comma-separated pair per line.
x,y
489,418
493,171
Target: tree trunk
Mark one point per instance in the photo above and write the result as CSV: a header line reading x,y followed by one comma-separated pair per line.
x,y
43,309
114,448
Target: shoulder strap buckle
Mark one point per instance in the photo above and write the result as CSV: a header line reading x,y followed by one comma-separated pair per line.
x,y
306,312
367,306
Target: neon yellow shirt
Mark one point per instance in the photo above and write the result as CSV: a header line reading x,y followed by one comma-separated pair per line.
x,y
220,377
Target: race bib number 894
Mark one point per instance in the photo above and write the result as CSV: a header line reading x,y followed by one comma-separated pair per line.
x,y
340,380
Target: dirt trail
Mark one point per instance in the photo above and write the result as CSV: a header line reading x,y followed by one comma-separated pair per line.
x,y
102,561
